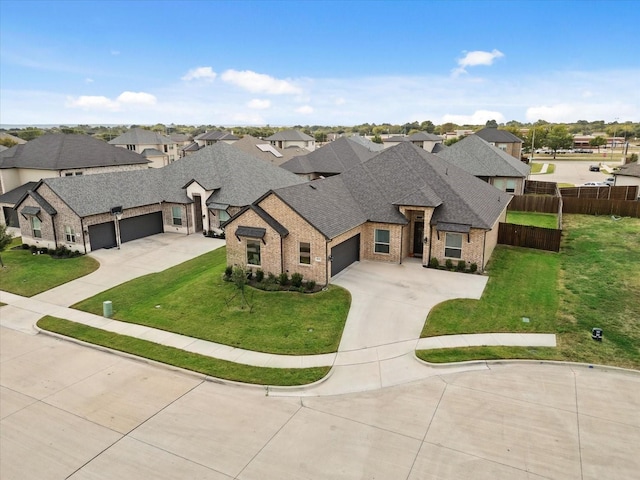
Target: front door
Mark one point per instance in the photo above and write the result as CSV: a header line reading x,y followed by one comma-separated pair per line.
x,y
418,237
197,202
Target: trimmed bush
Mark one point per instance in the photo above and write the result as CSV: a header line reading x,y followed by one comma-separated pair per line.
x,y
259,275
311,284
25,246
461,265
283,278
296,280
33,249
228,271
434,263
473,268
449,264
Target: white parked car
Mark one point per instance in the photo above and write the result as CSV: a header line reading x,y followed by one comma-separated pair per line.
x,y
595,184
611,181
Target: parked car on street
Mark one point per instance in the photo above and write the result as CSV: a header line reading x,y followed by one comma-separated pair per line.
x,y
611,181
594,168
595,184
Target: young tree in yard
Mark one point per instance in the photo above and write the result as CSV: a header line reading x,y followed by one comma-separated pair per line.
x,y
598,142
540,138
558,137
5,240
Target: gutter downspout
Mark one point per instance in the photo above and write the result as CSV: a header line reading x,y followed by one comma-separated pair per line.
x,y
326,263
401,243
484,247
84,240
186,212
430,243
281,255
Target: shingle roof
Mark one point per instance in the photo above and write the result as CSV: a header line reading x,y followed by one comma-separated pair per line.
x,y
217,135
249,144
401,175
236,178
482,159
365,142
12,196
61,151
289,135
424,137
493,134
331,159
629,170
141,136
153,152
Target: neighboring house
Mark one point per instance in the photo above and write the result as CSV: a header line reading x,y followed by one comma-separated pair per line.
x,y
8,215
211,138
59,155
628,174
331,159
267,152
292,138
159,149
502,139
102,211
424,140
403,202
488,163
365,142
182,140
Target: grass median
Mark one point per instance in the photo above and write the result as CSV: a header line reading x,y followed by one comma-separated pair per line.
x,y
592,282
187,360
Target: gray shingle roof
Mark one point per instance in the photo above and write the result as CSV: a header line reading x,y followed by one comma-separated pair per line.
x,y
141,136
236,178
424,137
493,134
217,136
331,159
365,142
249,144
61,151
12,196
400,175
289,135
153,152
482,159
629,170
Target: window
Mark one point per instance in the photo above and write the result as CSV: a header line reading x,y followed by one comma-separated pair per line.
x,y
453,245
381,241
253,252
131,147
36,226
305,253
223,215
68,174
176,214
166,149
69,234
78,174
511,186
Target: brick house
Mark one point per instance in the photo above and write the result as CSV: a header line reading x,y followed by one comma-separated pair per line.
x,y
404,202
292,139
159,149
488,163
502,139
102,211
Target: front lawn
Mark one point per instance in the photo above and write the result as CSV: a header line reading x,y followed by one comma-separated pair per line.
x,y
192,299
544,220
592,282
27,274
179,358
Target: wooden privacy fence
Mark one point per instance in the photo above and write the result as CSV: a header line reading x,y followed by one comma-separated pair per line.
x,y
594,206
534,203
540,188
628,192
530,237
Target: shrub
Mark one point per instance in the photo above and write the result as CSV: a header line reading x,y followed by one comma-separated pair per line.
x,y
259,275
228,271
25,246
283,278
51,252
461,265
271,278
434,263
44,250
75,253
473,268
296,279
311,284
33,249
633,158
449,264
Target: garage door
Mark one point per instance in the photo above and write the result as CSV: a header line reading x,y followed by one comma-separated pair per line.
x,y
344,254
140,226
102,235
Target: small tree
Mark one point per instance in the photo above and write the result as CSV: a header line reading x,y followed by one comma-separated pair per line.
x,y
5,240
598,142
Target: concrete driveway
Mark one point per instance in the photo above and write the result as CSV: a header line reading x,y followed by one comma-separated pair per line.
x,y
67,411
575,172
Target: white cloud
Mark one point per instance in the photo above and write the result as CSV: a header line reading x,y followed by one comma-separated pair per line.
x,y
479,117
259,82
140,98
115,52
259,104
89,102
475,58
305,110
340,101
88,80
200,73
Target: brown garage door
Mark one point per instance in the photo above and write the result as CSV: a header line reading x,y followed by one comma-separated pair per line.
x,y
141,226
344,254
102,235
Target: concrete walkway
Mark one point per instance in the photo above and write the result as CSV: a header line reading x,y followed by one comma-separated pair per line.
x,y
389,305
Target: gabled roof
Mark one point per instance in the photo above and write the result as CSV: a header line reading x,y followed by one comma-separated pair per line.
x,y
180,137
61,151
395,139
365,142
289,135
234,178
46,206
333,158
494,134
12,196
141,136
482,159
258,148
217,136
401,175
424,137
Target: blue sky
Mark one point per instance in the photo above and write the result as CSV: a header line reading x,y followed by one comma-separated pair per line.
x,y
317,62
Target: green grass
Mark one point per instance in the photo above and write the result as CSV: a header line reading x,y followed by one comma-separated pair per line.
x,y
537,167
544,220
180,358
446,355
192,299
592,282
27,275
